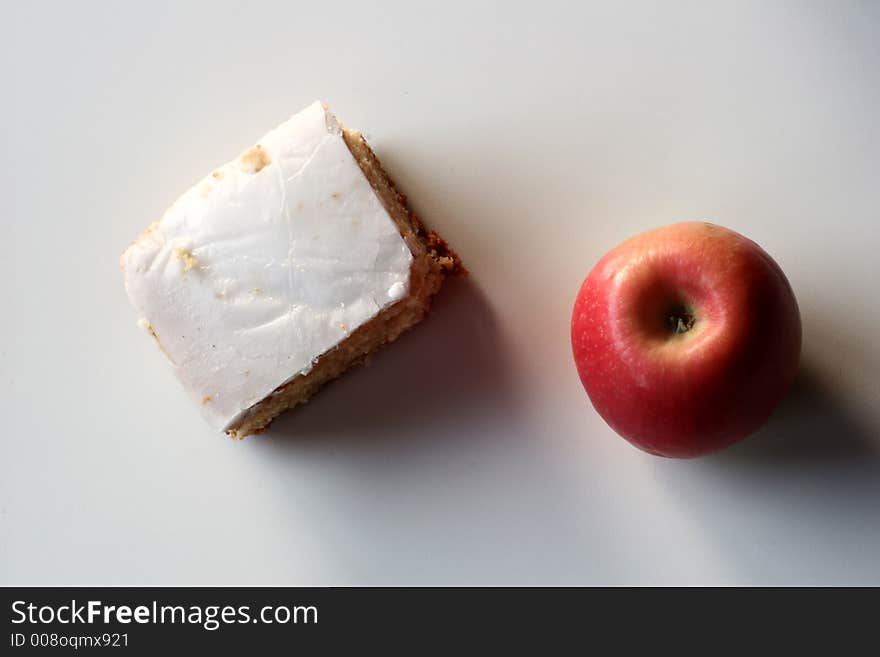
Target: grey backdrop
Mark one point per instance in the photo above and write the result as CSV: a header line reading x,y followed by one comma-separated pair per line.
x,y
535,135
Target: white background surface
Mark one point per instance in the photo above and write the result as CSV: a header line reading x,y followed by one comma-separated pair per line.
x,y
534,136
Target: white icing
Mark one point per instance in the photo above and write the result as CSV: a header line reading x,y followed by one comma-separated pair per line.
x,y
252,275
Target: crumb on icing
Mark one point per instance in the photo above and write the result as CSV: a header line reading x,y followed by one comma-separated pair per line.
x,y
206,399
255,159
189,260
152,331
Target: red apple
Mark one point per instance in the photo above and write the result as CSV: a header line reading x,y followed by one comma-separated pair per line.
x,y
686,338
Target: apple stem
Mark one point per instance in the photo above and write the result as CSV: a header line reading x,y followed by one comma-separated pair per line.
x,y
680,319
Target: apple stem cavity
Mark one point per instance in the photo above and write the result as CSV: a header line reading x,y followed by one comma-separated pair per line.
x,y
680,319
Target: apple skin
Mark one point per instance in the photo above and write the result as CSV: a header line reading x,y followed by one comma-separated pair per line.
x,y
669,387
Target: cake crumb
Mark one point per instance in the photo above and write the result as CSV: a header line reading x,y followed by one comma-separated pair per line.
x,y
189,260
206,399
151,330
255,159
217,174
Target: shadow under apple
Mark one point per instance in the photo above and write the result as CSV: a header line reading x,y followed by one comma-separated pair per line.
x,y
796,503
810,427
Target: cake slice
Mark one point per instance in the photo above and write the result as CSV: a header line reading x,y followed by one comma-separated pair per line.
x,y
282,269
